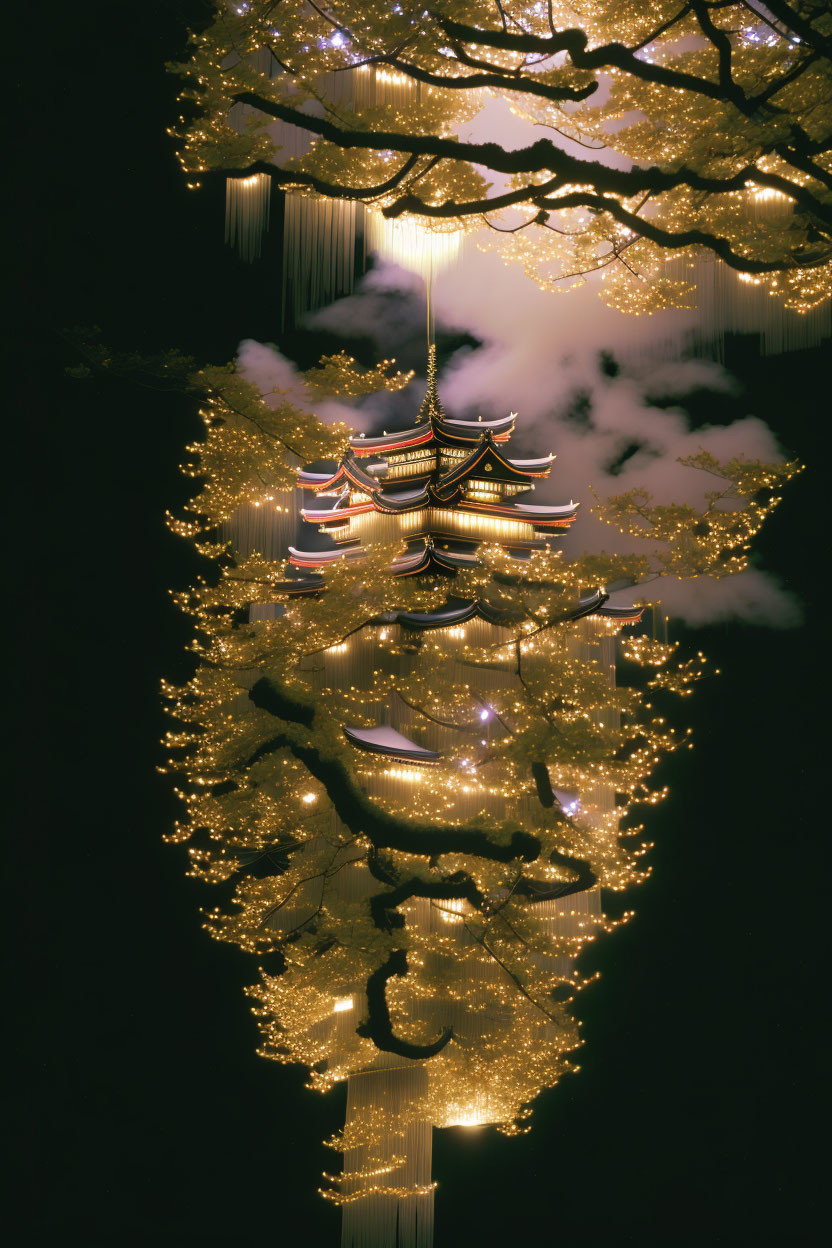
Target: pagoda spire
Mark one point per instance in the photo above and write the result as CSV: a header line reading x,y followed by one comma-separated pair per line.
x,y
431,406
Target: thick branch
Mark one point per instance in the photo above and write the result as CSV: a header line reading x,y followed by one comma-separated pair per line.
x,y
458,887
298,177
673,240
585,876
498,80
359,813
537,157
801,26
378,1026
607,56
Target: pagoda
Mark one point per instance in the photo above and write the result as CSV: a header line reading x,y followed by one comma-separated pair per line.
x,y
439,489
450,486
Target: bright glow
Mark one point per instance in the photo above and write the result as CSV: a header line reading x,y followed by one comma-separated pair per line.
x,y
400,773
412,246
467,1116
308,798
345,1003
451,911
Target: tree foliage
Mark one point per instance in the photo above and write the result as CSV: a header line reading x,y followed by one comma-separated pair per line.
x,y
279,806
655,131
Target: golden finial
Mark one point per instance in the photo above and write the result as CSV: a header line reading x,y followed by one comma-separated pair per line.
x,y
431,406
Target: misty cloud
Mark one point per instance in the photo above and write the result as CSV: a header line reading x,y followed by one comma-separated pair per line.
x,y
264,366
550,358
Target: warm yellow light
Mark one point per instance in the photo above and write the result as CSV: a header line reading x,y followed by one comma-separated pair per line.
x,y
470,1116
344,1003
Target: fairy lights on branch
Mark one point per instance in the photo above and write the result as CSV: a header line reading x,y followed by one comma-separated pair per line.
x,y
383,92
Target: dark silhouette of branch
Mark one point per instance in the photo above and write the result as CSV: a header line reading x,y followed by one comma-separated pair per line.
x,y
297,177
618,56
378,1026
457,887
501,80
801,26
537,157
358,812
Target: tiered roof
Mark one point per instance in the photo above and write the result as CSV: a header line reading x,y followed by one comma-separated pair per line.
x,y
458,465
441,464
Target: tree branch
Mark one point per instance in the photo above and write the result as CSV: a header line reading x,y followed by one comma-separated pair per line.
x,y
535,158
359,813
608,56
378,1026
528,86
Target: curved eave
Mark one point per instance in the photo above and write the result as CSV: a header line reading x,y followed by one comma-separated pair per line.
x,y
321,558
446,435
588,606
453,559
532,467
347,470
566,511
357,476
401,441
476,609
503,424
390,504
320,480
333,514
486,459
624,615
390,744
596,604
432,560
543,517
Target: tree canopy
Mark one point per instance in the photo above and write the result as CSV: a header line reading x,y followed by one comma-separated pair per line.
x,y
280,810
625,135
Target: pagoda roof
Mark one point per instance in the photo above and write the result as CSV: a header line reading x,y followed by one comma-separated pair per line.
x,y
386,740
429,559
349,470
624,615
322,558
402,440
448,616
558,517
486,459
434,426
437,431
402,500
596,604
468,432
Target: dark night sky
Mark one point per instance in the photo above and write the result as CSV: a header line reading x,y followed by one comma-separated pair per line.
x,y
141,1111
